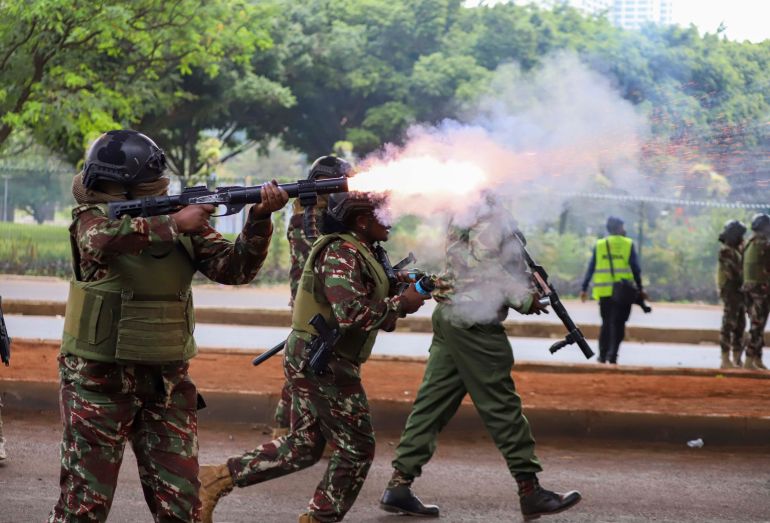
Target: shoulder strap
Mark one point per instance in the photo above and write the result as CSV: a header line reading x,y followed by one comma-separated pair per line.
x,y
609,255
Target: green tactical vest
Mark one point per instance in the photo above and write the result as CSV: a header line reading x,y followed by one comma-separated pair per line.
x,y
355,345
726,281
620,246
755,261
141,312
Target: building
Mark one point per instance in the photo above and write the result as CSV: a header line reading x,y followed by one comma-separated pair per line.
x,y
628,14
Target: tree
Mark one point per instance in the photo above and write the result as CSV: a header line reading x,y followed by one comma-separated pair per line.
x,y
72,69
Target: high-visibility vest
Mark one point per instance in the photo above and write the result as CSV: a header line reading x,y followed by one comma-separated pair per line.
x,y
620,247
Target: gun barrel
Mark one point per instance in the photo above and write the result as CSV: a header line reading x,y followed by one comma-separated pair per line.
x,y
230,196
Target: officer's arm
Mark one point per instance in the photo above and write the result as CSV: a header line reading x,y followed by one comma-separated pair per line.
x,y
589,271
636,270
100,238
340,271
233,263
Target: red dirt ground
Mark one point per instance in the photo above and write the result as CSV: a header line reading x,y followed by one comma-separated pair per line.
x,y
730,393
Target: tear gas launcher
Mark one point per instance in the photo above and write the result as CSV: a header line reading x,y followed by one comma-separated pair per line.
x,y
546,289
234,198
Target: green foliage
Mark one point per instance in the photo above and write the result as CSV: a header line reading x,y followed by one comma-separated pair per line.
x,y
70,69
34,249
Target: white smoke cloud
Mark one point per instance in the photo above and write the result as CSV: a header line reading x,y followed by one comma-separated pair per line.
x,y
530,139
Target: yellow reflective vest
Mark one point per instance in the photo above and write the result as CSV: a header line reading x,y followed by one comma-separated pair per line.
x,y
620,247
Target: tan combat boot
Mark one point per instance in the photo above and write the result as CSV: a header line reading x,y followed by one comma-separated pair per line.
x,y
216,482
726,363
737,358
748,363
307,518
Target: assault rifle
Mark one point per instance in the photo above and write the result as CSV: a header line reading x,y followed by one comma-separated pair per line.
x,y
234,198
5,340
546,289
424,283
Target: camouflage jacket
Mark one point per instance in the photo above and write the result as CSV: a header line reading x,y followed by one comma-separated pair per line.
x,y
348,286
485,274
730,269
98,239
299,245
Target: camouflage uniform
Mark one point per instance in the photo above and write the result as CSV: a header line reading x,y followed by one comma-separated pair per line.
x,y
105,404
756,287
331,408
470,353
299,247
730,280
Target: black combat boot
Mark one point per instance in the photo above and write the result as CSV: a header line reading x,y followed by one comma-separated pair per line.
x,y
536,501
401,500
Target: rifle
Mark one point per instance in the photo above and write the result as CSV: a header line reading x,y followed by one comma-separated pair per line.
x,y
234,198
546,289
322,346
5,340
424,283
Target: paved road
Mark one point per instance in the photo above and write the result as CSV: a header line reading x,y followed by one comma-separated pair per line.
x,y
238,337
619,484
276,297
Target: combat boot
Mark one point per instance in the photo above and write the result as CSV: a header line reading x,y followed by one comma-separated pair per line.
x,y
737,358
536,501
750,363
216,482
726,363
308,518
758,363
401,500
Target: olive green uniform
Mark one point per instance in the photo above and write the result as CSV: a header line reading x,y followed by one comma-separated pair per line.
x,y
470,357
756,286
730,281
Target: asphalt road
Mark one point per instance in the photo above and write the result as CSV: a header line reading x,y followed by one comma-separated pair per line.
x,y
468,479
276,297
251,339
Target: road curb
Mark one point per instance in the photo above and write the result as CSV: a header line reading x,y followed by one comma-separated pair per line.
x,y
390,416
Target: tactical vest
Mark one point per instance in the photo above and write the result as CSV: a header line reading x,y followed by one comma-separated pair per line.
x,y
141,312
725,280
620,246
755,261
355,344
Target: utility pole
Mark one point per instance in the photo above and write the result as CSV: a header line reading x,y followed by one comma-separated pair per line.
x,y
641,229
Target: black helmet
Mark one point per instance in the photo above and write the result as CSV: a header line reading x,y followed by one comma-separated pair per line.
x,y
126,157
330,166
614,225
761,223
344,205
733,232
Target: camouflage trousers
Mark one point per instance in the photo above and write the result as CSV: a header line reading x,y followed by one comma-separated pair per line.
x,y
103,405
758,307
331,408
283,409
732,334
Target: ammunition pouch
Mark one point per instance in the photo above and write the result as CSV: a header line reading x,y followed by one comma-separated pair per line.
x,y
119,327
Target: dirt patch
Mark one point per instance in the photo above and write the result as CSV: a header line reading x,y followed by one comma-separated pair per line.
x,y
399,380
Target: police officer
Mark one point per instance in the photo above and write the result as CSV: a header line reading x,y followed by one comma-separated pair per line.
x,y
470,354
302,232
624,265
343,281
729,281
128,331
756,286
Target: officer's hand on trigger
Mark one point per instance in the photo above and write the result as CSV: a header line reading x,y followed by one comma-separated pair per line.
x,y
539,305
193,218
273,199
411,300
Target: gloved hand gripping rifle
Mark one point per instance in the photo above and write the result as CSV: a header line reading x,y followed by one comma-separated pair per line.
x,y
233,198
546,289
424,283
